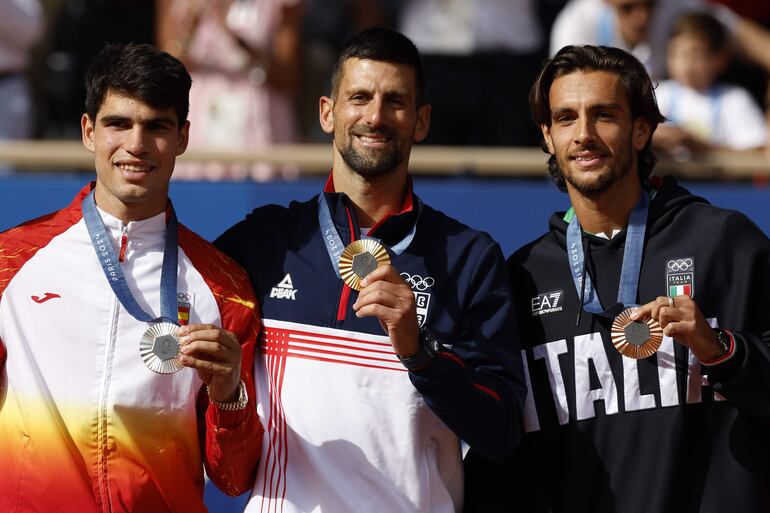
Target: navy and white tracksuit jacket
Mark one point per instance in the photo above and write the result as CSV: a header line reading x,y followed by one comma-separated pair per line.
x,y
347,428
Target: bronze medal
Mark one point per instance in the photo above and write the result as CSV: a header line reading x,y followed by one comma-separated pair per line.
x,y
359,259
636,339
159,348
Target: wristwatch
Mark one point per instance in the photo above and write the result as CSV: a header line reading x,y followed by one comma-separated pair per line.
x,y
429,347
239,404
723,342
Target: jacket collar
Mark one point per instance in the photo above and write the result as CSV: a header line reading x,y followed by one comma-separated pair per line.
x,y
390,229
150,228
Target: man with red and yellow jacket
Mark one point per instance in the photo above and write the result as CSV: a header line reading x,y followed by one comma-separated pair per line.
x,y
127,340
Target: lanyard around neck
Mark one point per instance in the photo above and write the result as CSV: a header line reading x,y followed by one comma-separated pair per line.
x,y
100,238
632,262
333,241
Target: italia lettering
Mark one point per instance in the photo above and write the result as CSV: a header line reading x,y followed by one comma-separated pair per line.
x,y
550,353
593,382
589,350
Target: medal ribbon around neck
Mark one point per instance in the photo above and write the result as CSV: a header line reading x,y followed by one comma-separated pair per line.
x,y
333,242
632,262
102,242
159,346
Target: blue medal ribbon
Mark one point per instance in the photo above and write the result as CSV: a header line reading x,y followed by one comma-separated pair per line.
x,y
629,273
333,242
105,252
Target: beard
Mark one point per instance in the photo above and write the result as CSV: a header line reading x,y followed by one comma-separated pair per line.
x,y
614,173
371,162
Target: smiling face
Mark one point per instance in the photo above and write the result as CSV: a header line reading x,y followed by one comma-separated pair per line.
x,y
135,147
374,117
592,135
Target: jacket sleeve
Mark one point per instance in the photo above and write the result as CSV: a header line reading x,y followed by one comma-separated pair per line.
x,y
231,441
476,387
743,378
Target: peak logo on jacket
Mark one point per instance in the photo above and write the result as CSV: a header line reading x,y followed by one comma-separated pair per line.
x,y
285,289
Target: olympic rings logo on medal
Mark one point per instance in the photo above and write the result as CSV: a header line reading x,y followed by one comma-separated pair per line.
x,y
680,264
418,282
183,296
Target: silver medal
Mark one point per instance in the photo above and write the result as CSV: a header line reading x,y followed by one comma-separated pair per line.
x,y
159,348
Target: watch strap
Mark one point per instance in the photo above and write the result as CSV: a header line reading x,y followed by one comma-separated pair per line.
x,y
428,348
726,344
239,404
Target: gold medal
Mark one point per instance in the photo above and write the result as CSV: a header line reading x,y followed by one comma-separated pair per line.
x,y
636,339
359,259
159,348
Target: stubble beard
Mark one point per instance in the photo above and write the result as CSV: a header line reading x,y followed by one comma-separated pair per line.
x,y
375,162
601,183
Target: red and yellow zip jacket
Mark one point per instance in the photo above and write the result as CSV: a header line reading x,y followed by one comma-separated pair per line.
x,y
84,425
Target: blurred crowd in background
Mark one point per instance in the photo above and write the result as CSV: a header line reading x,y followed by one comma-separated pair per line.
x,y
259,66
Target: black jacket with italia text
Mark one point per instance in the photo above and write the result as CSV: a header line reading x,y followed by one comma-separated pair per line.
x,y
606,433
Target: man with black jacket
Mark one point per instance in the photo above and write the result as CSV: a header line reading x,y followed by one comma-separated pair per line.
x,y
684,429
368,382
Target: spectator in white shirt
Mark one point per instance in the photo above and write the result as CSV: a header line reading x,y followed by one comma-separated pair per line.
x,y
704,114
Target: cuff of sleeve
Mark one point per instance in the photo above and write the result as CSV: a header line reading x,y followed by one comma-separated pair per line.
x,y
227,419
727,366
439,364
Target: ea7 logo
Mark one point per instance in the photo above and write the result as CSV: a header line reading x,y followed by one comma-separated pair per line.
x,y
550,302
284,290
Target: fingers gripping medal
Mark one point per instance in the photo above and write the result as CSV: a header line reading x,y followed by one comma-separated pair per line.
x,y
159,348
359,259
636,339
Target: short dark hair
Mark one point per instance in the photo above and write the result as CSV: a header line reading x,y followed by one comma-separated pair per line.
x,y
703,26
140,71
381,44
633,76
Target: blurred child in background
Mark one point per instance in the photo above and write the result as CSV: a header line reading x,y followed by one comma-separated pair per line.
x,y
704,114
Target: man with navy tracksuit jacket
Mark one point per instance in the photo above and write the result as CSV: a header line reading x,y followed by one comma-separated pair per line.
x,y
366,395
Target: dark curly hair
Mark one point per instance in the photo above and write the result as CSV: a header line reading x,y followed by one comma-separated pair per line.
x,y
633,76
140,71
